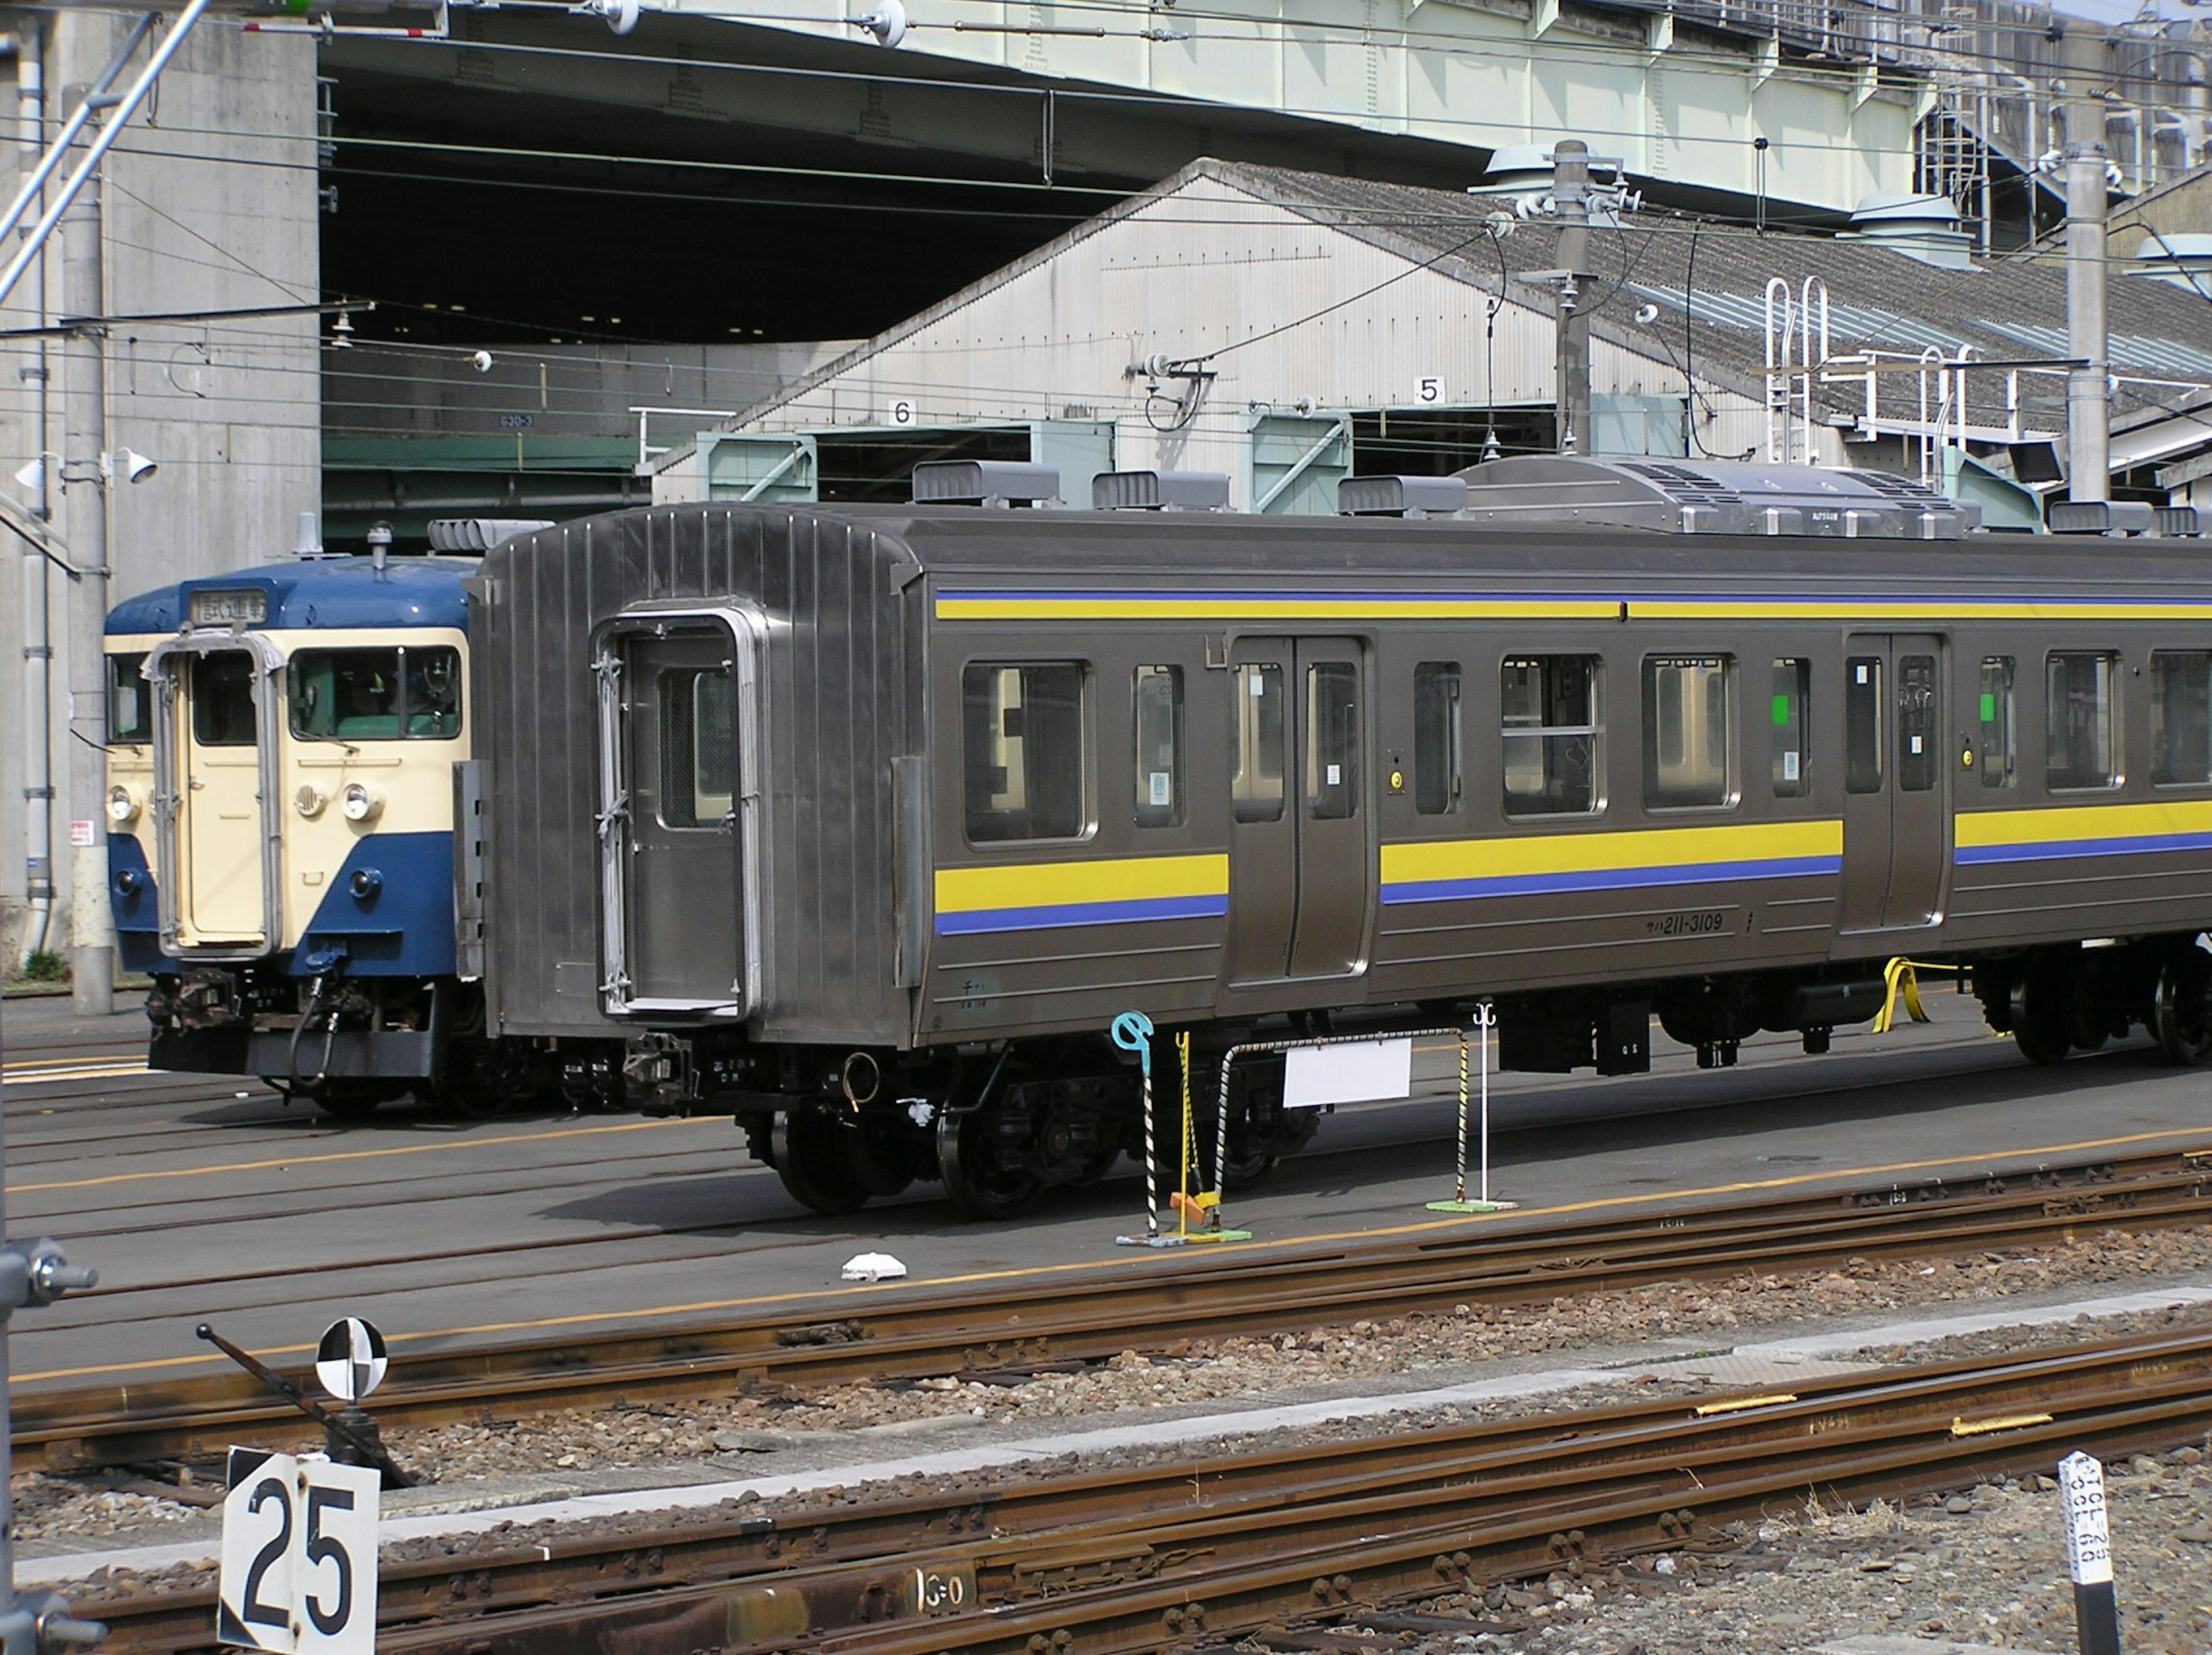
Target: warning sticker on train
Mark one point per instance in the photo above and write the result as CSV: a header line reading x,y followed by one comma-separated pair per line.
x,y
299,1555
350,1360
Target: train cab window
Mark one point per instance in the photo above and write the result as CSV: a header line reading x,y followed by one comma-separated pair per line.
x,y
129,700
1792,694
1333,740
1997,750
1689,731
376,694
2180,717
698,748
2081,719
1553,732
222,698
1436,737
1863,739
1159,747
1256,790
1022,739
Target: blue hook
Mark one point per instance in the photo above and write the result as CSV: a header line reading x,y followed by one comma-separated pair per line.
x,y
1132,1032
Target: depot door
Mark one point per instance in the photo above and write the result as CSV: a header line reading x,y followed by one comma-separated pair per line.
x,y
221,803
682,895
1299,865
1897,817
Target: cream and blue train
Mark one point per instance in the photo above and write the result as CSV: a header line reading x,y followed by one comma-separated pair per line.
x,y
288,748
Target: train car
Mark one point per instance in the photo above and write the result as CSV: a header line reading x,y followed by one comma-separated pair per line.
x,y
283,750
863,824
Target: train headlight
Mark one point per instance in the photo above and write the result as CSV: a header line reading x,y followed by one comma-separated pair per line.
x,y
309,801
121,806
361,802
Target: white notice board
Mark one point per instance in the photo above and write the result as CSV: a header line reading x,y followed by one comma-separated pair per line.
x,y
1347,1072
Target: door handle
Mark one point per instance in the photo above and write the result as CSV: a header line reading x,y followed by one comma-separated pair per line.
x,y
196,784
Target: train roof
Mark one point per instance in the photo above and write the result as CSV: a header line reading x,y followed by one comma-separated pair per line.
x,y
1060,549
319,593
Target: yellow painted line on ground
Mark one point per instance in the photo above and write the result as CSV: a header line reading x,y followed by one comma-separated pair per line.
x,y
116,1070
1750,1186
61,1062
289,1161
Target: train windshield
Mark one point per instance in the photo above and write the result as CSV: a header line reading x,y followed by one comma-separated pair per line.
x,y
376,694
129,700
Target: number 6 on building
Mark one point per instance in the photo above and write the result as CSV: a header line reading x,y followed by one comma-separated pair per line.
x,y
299,1555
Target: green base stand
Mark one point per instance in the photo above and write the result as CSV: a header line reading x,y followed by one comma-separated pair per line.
x,y
1193,1239
1472,1206
1148,1241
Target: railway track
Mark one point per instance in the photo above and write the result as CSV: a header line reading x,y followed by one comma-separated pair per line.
x,y
892,1333
1206,1550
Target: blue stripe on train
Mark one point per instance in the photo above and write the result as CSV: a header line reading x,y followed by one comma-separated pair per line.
x,y
404,928
2051,851
974,921
1611,879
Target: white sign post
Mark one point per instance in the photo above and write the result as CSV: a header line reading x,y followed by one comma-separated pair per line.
x,y
2089,1554
299,1555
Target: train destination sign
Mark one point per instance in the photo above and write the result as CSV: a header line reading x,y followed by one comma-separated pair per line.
x,y
299,1555
249,607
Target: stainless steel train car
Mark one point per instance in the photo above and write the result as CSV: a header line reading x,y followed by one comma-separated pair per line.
x,y
862,824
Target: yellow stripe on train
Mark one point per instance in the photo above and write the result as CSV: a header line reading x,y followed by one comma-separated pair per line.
x,y
2027,827
1576,853
1059,885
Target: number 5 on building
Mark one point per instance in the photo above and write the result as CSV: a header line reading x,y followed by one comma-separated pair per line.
x,y
299,1555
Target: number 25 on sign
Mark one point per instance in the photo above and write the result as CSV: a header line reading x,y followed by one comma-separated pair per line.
x,y
299,1555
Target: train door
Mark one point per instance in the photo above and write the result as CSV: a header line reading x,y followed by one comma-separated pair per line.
x,y
221,898
1299,866
680,871
1897,818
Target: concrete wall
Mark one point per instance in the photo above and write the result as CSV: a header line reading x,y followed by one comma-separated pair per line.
x,y
210,205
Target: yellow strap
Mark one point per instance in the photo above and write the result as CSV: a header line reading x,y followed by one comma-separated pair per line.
x,y
1902,976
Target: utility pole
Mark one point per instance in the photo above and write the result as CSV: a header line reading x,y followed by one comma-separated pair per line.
x,y
1571,197
37,640
84,510
2089,409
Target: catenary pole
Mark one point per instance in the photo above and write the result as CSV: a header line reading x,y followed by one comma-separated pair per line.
x,y
1571,196
2085,54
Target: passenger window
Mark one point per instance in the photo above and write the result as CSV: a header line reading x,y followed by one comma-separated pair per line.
x,y
1863,724
2081,722
1023,730
1256,791
2180,717
1998,752
1436,737
1793,692
1333,740
222,699
1917,726
1159,747
1552,730
698,748
376,695
129,700
1689,731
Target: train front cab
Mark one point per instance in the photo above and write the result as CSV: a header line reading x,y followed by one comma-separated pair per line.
x,y
280,811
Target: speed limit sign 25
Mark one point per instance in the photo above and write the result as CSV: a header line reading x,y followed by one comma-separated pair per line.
x,y
299,1555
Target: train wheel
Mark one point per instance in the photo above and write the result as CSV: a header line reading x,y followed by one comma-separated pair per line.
x,y
976,1180
2182,1008
811,1160
2040,1002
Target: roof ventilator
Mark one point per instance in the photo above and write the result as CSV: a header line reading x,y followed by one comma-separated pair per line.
x,y
984,483
1160,491
1710,497
1401,496
2114,517
477,534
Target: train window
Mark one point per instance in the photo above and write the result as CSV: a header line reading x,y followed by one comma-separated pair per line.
x,y
222,699
698,748
1159,747
1863,724
1552,731
376,694
1689,731
1436,737
1333,740
1256,791
1997,751
1793,691
1024,741
1918,733
129,700
2180,717
2081,719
